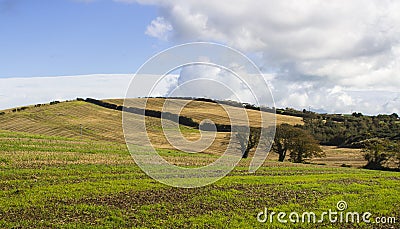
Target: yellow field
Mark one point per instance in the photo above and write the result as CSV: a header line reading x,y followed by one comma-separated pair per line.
x,y
198,111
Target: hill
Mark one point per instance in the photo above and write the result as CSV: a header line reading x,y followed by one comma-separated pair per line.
x,y
200,110
66,119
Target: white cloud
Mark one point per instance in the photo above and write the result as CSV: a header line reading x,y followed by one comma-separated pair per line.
x,y
210,82
313,47
159,28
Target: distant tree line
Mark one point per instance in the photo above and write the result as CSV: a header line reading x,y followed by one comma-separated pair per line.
x,y
226,102
18,109
352,131
151,113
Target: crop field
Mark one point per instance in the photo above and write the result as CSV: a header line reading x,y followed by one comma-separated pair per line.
x,y
52,177
98,123
199,110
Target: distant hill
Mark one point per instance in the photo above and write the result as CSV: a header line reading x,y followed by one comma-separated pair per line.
x,y
200,110
65,119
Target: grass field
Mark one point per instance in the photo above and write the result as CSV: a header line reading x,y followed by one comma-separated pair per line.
x,y
51,177
66,182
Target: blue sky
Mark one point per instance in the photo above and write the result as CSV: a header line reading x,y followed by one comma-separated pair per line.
x,y
332,56
56,37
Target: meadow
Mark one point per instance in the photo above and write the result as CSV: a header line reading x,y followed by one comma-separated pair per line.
x,y
52,177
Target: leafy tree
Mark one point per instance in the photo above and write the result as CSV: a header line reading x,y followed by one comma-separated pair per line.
x,y
304,147
248,140
298,142
355,114
378,152
283,140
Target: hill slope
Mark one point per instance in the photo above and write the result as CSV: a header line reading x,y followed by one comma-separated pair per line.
x,y
199,110
65,119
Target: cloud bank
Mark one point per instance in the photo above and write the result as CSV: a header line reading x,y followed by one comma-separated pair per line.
x,y
16,92
330,55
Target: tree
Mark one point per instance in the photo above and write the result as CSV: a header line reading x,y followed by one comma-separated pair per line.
x,y
378,152
394,116
304,147
248,140
297,141
282,142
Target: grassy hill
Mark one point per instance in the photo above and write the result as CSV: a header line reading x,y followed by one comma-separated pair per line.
x,y
65,120
98,123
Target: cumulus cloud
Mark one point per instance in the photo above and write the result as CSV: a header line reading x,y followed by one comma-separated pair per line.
x,y
319,51
159,28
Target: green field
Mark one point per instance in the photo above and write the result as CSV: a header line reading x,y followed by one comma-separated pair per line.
x,y
66,182
50,180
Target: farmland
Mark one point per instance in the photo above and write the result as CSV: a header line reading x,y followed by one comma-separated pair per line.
x,y
52,176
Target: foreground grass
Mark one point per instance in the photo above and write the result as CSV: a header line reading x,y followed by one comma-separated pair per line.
x,y
67,183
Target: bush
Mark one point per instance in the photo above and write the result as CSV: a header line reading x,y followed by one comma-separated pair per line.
x,y
54,102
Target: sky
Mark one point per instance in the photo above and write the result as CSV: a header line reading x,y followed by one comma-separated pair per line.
x,y
330,56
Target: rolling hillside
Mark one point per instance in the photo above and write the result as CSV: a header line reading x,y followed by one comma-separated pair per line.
x,y
101,124
199,110
65,119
